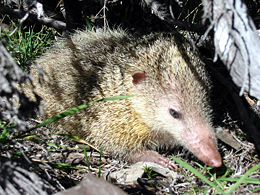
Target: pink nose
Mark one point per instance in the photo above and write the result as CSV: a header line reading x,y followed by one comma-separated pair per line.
x,y
214,161
206,150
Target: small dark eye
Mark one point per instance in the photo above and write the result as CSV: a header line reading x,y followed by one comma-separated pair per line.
x,y
175,114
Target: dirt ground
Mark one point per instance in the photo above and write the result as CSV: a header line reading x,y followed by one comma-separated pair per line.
x,y
59,163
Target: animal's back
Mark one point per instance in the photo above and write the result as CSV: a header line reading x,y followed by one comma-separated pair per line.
x,y
90,66
156,68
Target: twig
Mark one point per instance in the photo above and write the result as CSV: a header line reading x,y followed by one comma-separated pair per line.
x,y
103,9
166,15
20,23
59,25
104,15
90,145
31,4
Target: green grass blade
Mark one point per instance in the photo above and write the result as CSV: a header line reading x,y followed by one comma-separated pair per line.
x,y
255,190
86,157
76,109
64,165
197,173
243,178
248,180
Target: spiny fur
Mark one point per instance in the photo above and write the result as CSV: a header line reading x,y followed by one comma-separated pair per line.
x,y
93,65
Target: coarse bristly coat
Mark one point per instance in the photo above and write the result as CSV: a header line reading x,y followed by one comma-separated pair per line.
x,y
171,103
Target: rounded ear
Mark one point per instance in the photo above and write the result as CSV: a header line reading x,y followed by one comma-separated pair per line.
x,y
138,77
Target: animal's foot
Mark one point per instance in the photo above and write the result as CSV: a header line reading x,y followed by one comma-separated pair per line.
x,y
152,156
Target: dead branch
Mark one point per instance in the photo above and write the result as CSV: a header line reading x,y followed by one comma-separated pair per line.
x,y
17,180
10,96
33,17
236,41
164,13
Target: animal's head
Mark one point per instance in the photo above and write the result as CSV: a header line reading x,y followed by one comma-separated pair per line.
x,y
172,97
